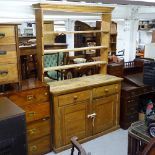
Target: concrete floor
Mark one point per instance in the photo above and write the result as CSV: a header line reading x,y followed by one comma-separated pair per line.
x,y
114,143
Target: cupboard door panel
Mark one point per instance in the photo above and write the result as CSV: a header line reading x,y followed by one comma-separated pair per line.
x,y
105,109
74,121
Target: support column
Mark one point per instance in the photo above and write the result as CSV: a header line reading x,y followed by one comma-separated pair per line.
x,y
130,36
70,37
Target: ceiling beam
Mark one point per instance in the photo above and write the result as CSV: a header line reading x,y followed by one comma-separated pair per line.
x,y
121,2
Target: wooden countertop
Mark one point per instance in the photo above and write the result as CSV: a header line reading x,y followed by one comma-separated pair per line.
x,y
76,84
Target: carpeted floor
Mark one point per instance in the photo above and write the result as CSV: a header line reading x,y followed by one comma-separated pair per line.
x,y
114,143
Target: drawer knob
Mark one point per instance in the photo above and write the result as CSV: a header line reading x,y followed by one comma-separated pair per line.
x,y
46,93
106,90
3,73
30,97
75,97
34,148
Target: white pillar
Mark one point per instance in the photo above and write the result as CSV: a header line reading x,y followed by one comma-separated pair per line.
x,y
130,36
70,37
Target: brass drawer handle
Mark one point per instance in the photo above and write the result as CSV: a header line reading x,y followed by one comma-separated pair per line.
x,y
75,97
106,90
46,93
33,148
30,97
3,52
3,73
31,114
2,34
32,131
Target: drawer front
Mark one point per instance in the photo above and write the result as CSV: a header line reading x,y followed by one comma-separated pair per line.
x,y
7,35
106,90
131,109
32,96
8,73
40,146
36,111
74,97
38,129
131,105
8,56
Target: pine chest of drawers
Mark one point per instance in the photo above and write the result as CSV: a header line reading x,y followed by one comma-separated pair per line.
x,y
34,100
8,54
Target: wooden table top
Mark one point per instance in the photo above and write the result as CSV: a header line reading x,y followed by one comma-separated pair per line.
x,y
76,84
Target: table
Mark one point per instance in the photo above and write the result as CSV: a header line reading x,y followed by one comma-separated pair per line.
x,y
138,137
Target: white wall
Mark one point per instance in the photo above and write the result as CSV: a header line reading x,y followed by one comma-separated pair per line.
x,y
21,11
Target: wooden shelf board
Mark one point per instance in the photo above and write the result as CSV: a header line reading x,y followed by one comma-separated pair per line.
x,y
73,8
74,49
76,32
74,66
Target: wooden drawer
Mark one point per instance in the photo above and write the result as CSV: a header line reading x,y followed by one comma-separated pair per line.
x,y
32,96
7,34
8,56
8,73
105,90
38,129
74,97
36,111
40,146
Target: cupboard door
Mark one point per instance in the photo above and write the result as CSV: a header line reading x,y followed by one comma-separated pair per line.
x,y
74,121
105,110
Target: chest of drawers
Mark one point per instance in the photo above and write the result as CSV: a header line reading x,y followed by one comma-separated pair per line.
x,y
8,54
130,102
34,100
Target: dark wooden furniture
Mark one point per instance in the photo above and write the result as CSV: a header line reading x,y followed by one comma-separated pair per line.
x,y
138,138
87,107
28,62
34,100
76,145
12,129
150,148
113,36
115,69
132,90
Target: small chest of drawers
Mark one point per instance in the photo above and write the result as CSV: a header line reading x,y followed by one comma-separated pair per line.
x,y
8,54
130,102
34,100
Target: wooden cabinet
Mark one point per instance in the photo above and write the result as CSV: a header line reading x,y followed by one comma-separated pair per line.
x,y
8,54
34,100
85,107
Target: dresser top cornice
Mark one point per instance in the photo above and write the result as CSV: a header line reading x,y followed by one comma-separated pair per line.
x,y
77,84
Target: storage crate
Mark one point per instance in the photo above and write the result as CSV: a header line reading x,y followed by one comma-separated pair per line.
x,y
149,74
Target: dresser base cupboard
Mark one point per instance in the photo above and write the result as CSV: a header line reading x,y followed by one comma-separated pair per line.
x,y
85,107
